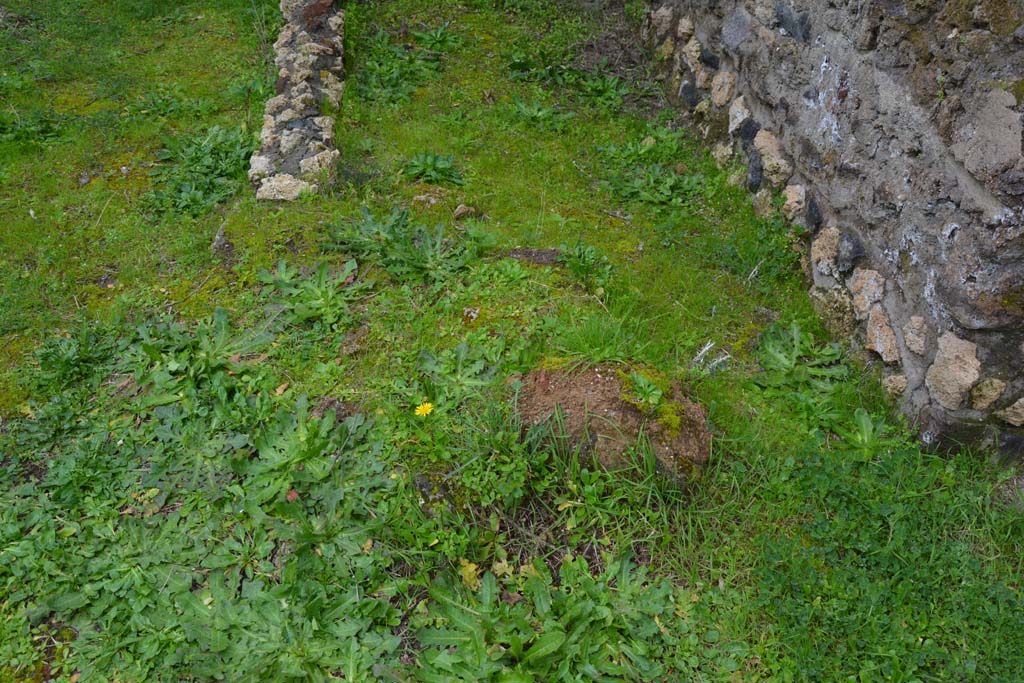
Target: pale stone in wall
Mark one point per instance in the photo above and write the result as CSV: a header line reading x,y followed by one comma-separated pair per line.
x,y
880,337
867,288
684,29
824,251
777,169
954,372
723,85
796,201
738,113
283,187
721,153
1014,414
895,385
915,334
691,55
763,203
987,392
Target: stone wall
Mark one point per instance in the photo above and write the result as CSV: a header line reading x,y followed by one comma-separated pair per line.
x,y
894,128
297,142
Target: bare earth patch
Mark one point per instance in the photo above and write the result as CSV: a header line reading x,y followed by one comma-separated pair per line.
x,y
542,257
618,51
598,420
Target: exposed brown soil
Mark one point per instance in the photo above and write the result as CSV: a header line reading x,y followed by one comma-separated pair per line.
x,y
353,342
532,531
598,420
618,51
542,257
329,404
30,471
1011,491
123,385
13,22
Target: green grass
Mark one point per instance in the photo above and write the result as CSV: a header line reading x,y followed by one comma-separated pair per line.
x,y
214,467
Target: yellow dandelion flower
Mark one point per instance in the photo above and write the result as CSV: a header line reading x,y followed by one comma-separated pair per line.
x,y
424,409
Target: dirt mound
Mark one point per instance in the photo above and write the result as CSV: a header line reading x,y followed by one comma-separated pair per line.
x,y
601,416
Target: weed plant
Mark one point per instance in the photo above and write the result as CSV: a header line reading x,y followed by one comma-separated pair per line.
x,y
551,68
433,168
39,127
540,117
406,250
166,101
392,71
650,170
197,172
323,298
591,269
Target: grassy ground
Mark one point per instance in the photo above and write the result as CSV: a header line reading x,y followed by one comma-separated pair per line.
x,y
299,457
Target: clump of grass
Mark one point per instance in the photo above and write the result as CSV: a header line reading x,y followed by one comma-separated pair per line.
x,y
168,101
803,372
595,337
607,91
760,250
551,67
197,172
437,169
651,171
32,127
406,250
541,117
579,623
544,65
323,298
393,71
66,360
591,269
440,39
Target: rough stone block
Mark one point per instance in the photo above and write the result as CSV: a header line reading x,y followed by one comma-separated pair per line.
x,y
955,370
723,85
986,392
867,288
777,169
880,337
824,251
1013,415
915,334
283,187
796,202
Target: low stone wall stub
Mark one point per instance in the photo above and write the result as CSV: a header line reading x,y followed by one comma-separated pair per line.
x,y
895,131
297,141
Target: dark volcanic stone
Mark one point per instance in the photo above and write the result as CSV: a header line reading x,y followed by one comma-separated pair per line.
x,y
850,251
755,170
748,131
796,25
813,216
1012,183
688,94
